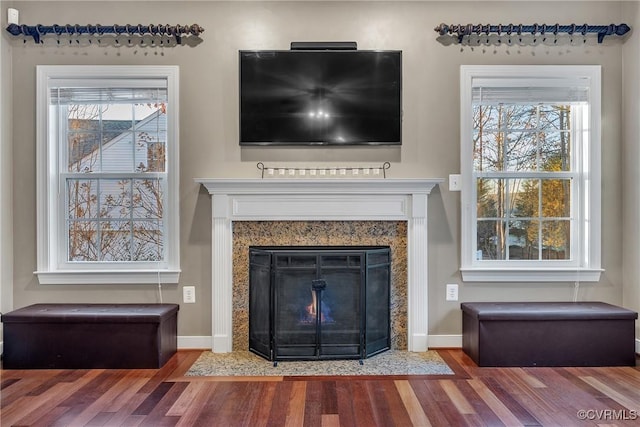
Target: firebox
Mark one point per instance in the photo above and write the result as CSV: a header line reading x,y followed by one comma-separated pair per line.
x,y
316,303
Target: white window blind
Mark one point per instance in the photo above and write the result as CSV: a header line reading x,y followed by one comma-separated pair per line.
x,y
530,91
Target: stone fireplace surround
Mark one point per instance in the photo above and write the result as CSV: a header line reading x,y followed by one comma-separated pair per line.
x,y
318,200
320,233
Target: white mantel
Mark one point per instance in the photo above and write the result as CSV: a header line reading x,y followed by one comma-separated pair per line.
x,y
318,200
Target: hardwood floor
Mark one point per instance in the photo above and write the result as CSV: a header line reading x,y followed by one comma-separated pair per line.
x,y
472,397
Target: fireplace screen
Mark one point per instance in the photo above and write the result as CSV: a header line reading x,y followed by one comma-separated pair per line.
x,y
309,303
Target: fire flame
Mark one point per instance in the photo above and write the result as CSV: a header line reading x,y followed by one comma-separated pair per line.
x,y
310,312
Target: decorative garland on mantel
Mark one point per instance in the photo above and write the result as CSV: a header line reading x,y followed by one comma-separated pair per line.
x,y
320,172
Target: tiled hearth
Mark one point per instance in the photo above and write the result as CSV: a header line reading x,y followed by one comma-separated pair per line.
x,y
320,211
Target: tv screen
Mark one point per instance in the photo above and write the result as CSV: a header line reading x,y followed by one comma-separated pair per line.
x,y
320,97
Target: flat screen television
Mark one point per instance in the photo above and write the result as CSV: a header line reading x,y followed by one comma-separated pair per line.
x,y
320,97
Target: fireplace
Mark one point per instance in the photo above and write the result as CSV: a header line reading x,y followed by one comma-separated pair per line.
x,y
246,200
316,303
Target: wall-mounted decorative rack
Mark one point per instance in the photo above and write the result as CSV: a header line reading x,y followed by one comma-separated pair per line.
x,y
37,32
320,172
462,30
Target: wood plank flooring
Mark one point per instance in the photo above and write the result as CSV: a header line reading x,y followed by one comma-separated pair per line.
x,y
472,397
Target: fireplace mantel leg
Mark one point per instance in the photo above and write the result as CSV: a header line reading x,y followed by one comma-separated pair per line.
x,y
418,277
221,275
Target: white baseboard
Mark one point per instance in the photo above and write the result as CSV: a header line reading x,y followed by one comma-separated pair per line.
x,y
194,343
445,341
637,345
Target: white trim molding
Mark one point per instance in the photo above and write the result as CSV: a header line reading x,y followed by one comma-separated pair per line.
x,y
445,341
318,200
530,274
188,342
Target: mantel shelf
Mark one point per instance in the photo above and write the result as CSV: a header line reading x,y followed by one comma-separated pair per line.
x,y
319,186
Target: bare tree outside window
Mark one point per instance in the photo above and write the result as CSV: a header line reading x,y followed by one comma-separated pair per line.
x,y
115,185
521,213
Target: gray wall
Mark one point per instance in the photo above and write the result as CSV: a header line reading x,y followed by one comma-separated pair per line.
x,y
6,170
631,160
209,105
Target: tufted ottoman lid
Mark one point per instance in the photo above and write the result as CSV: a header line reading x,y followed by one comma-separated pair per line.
x,y
91,313
546,311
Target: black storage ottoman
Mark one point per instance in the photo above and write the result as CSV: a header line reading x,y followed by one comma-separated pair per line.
x,y
90,336
548,334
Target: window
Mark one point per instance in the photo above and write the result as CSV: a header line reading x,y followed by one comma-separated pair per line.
x,y
530,159
107,174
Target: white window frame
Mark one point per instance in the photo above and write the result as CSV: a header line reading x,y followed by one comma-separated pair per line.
x,y
52,266
584,264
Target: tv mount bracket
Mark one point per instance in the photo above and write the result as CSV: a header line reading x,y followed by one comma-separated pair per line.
x,y
324,46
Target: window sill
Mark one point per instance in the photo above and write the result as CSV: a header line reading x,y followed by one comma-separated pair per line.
x,y
530,274
107,277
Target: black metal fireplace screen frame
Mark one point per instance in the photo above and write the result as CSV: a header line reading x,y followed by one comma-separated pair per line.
x,y
279,274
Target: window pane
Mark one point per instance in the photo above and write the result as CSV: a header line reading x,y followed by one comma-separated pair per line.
x,y
524,240
82,198
520,151
556,198
512,138
517,151
555,151
491,238
150,152
115,243
499,198
115,198
555,117
147,114
117,154
116,137
555,239
520,117
486,151
88,126
489,197
83,117
148,241
147,199
488,117
83,241
525,198
83,151
526,147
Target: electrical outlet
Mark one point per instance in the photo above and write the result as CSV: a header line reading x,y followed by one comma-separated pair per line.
x,y
455,182
13,16
452,292
189,294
